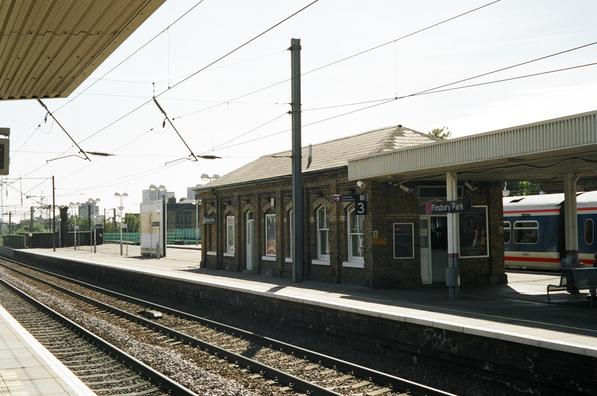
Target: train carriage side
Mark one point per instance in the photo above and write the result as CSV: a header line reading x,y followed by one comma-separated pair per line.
x,y
587,221
533,226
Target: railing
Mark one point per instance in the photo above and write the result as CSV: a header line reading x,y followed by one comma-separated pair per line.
x,y
183,236
129,237
178,236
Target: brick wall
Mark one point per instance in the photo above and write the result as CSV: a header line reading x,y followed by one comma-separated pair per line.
x,y
387,204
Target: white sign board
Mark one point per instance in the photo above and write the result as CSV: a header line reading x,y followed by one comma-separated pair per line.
x,y
152,229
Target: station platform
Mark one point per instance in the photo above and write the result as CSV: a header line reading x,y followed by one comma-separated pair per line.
x,y
27,368
517,312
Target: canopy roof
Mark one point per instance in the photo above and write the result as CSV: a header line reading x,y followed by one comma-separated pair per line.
x,y
49,47
545,150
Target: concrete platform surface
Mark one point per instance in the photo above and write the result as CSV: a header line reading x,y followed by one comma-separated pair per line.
x,y
516,312
27,368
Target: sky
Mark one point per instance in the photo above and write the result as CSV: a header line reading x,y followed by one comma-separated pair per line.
x,y
216,113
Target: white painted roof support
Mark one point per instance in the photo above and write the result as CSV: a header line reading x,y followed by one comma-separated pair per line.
x,y
452,273
570,219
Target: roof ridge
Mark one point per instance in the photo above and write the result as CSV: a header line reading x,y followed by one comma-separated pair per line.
x,y
391,128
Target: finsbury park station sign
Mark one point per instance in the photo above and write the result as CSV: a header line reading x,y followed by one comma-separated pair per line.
x,y
443,207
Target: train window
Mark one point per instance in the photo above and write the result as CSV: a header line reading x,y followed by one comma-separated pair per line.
x,y
526,232
589,231
507,231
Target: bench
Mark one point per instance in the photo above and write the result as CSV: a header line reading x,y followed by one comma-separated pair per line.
x,y
574,279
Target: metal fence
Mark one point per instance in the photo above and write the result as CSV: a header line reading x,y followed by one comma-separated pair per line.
x,y
178,236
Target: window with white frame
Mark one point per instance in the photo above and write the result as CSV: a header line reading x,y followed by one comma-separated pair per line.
x,y
355,236
230,234
270,234
323,234
526,231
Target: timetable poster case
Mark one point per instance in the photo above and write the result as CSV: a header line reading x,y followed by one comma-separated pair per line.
x,y
152,229
474,232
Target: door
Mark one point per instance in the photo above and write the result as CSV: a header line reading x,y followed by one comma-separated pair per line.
x,y
439,248
425,245
249,238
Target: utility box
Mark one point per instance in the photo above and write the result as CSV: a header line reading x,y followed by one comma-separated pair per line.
x,y
4,150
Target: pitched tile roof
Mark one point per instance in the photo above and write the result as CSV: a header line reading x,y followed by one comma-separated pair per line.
x,y
326,155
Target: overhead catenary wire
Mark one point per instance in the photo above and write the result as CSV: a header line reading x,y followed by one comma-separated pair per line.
x,y
192,75
174,127
279,82
435,88
187,78
359,53
63,129
133,53
429,91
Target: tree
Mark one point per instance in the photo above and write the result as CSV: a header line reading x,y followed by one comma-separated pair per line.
x,y
132,222
442,133
523,187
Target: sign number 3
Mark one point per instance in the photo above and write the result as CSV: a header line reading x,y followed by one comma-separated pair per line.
x,y
361,207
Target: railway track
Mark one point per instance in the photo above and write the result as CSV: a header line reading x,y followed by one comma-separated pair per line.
x,y
291,367
105,369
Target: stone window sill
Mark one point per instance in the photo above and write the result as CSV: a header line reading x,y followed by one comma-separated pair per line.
x,y
353,264
320,262
211,253
268,258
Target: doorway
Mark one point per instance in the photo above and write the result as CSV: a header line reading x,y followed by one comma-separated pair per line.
x,y
249,240
433,238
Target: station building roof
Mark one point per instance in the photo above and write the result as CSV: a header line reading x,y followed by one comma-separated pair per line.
x,y
545,150
49,47
329,155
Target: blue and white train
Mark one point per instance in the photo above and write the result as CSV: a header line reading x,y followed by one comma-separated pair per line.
x,y
534,230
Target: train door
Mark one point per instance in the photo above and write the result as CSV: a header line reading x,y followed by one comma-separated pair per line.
x,y
249,240
433,238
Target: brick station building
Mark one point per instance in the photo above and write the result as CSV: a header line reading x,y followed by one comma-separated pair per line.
x,y
246,219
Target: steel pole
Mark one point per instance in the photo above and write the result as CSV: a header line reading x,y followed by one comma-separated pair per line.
x,y
53,215
121,232
297,183
76,225
197,223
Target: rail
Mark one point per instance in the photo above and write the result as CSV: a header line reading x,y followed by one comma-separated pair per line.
x,y
297,383
157,378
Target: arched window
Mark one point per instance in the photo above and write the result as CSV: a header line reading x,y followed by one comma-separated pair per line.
x,y
270,234
355,235
323,233
230,232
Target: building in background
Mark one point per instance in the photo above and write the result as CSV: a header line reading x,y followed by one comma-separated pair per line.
x,y
88,209
192,192
154,193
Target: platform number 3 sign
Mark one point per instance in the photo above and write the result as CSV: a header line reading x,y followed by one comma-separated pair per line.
x,y
360,207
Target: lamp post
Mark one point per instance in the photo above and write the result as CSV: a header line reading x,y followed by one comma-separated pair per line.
x,y
207,178
121,197
91,203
